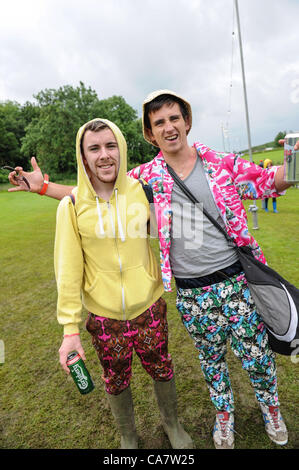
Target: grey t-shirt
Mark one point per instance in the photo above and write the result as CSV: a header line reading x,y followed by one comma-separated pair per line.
x,y
198,248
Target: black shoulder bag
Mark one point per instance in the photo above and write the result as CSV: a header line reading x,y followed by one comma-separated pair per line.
x,y
277,300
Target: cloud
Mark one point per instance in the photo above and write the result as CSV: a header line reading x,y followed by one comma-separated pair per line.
x,y
132,47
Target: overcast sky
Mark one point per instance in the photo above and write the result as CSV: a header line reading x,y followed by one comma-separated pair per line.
x,y
132,47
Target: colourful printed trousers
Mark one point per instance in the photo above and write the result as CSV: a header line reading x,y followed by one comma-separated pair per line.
x,y
223,311
115,341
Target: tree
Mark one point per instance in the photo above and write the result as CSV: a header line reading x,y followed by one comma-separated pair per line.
x,y
280,135
139,150
13,121
116,110
51,135
125,117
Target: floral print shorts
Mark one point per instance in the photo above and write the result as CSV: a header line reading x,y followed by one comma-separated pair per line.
x,y
222,311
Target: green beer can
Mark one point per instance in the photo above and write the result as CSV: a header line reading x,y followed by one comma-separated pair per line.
x,y
79,373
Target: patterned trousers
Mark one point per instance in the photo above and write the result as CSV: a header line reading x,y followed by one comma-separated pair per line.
x,y
223,311
115,340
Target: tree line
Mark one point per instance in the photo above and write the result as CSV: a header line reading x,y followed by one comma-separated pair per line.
x,y
47,129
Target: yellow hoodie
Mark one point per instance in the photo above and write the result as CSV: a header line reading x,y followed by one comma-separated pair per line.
x,y
102,256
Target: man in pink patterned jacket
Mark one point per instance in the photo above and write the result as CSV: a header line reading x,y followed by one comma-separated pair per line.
x,y
212,294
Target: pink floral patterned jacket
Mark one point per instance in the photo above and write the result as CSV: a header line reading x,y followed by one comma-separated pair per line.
x,y
230,179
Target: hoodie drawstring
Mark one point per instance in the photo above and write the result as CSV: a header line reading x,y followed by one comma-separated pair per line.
x,y
100,217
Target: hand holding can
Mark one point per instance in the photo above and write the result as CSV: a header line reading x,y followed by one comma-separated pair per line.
x,y
80,373
70,343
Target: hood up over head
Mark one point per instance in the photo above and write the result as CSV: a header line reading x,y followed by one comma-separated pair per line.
x,y
85,190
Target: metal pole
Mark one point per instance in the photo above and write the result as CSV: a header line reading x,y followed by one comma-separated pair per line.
x,y
253,208
223,140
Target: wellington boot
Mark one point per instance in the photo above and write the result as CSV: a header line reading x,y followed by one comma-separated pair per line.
x,y
167,401
122,409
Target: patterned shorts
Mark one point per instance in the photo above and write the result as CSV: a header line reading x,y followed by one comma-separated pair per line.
x,y
115,340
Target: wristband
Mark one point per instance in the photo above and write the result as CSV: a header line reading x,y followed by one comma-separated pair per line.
x,y
45,185
68,336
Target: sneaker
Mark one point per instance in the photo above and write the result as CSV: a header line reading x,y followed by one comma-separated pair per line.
x,y
223,433
274,424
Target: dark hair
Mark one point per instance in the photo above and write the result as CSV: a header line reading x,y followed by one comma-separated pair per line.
x,y
157,104
94,126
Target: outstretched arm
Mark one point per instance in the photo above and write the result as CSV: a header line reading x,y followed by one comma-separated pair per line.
x,y
36,181
280,184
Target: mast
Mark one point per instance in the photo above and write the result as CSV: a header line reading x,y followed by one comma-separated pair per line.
x,y
253,207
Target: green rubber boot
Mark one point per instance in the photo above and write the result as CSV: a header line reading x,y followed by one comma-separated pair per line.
x,y
122,409
167,401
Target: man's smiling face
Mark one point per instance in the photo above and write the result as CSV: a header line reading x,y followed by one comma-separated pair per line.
x,y
168,128
101,155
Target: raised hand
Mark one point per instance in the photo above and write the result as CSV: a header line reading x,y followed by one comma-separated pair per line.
x,y
18,178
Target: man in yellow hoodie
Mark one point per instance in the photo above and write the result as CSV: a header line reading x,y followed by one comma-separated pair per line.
x,y
104,261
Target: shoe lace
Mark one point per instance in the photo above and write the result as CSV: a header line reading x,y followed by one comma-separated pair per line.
x,y
274,417
224,426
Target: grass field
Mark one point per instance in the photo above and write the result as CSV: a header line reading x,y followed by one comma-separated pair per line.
x,y
41,407
275,155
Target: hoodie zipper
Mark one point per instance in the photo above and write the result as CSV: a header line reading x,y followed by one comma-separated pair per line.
x,y
120,263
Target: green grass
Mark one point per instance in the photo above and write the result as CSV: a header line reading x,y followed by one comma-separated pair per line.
x,y
41,407
275,155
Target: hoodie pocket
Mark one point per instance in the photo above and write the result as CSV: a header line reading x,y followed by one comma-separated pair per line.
x,y
139,288
105,293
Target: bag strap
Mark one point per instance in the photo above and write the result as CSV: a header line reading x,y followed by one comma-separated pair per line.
x,y
187,191
72,198
148,191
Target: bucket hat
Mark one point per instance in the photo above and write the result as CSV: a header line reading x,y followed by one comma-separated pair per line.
x,y
153,96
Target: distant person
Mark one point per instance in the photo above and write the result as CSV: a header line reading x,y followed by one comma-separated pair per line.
x,y
267,164
261,164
